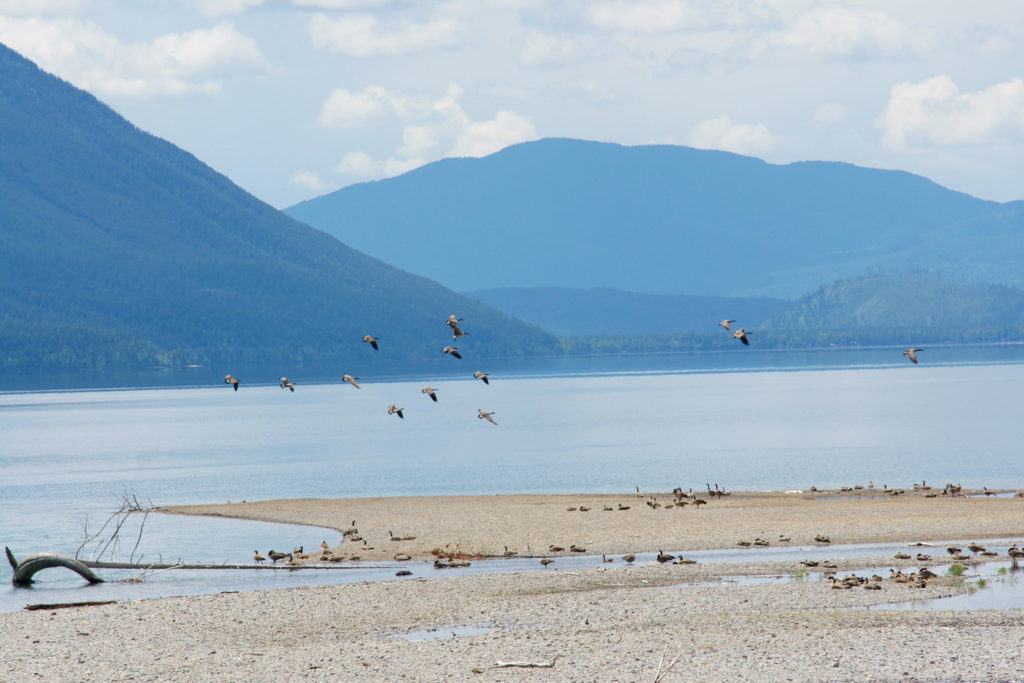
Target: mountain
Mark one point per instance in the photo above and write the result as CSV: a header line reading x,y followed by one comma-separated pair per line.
x,y
122,250
603,311
908,301
664,220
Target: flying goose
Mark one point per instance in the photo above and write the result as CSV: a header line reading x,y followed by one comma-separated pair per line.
x,y
395,410
351,380
741,334
484,415
228,379
726,324
452,350
372,341
912,355
285,384
429,391
482,375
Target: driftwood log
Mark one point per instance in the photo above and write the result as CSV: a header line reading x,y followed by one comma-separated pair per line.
x,y
26,569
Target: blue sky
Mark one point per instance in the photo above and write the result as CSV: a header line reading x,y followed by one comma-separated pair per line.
x,y
294,98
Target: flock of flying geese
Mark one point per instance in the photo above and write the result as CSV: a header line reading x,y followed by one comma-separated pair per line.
x,y
741,334
453,325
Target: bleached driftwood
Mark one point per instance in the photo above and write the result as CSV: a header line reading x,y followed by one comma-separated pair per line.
x,y
24,570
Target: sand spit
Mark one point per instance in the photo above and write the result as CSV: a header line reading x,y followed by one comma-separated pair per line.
x,y
529,525
613,623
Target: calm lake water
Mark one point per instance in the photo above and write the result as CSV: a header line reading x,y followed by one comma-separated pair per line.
x,y
756,421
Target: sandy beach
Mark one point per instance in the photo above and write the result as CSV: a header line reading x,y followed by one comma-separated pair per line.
x,y
617,622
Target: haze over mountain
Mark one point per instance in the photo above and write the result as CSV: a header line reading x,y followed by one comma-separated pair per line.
x,y
666,220
567,311
122,250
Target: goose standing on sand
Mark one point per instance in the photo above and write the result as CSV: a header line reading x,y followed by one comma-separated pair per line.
x,y
484,415
912,355
452,351
741,334
726,324
228,379
430,391
351,380
372,341
395,410
285,384
482,376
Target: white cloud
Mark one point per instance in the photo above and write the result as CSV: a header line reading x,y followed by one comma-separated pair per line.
x,y
845,32
39,7
362,35
308,179
640,16
340,4
351,109
443,129
172,65
742,138
221,8
481,138
542,49
934,111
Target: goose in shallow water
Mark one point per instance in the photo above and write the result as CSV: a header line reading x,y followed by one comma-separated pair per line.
x,y
228,379
395,410
484,415
912,355
257,558
351,380
372,341
482,376
275,556
429,391
546,561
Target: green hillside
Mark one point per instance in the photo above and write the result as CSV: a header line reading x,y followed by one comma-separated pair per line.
x,y
121,250
908,301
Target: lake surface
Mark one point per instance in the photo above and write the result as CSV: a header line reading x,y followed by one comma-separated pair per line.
x,y
756,421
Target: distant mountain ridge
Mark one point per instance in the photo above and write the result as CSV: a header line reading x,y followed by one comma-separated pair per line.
x,y
666,220
122,250
602,311
908,301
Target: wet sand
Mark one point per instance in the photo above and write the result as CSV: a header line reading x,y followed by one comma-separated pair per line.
x,y
613,623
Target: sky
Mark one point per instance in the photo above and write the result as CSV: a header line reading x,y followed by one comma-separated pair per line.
x,y
293,99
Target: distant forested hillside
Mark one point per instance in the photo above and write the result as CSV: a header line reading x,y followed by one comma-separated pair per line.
x,y
887,309
666,219
567,311
121,250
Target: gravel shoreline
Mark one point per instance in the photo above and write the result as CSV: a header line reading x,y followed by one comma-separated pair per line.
x,y
613,623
